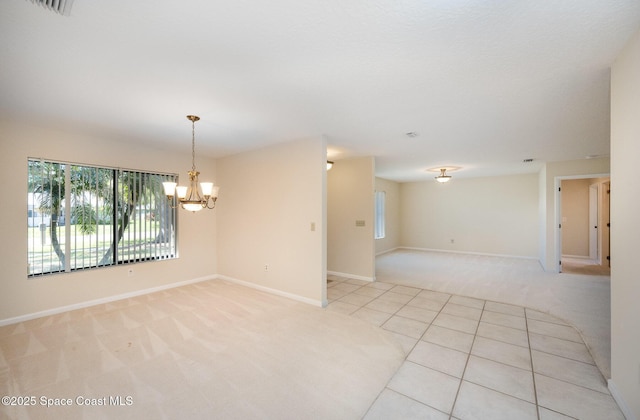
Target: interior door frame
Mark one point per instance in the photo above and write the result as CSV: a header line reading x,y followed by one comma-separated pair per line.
x,y
594,219
557,183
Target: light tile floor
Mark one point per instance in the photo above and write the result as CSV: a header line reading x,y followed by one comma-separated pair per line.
x,y
468,358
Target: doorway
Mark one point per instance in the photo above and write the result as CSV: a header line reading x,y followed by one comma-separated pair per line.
x,y
583,225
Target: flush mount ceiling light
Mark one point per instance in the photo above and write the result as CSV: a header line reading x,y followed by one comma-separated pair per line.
x,y
198,195
329,165
443,177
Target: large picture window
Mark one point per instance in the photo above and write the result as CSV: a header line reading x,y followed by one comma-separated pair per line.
x,y
81,217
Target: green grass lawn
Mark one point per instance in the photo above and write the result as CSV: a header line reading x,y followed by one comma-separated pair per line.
x,y
87,250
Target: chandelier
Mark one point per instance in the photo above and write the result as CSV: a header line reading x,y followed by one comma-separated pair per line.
x,y
196,196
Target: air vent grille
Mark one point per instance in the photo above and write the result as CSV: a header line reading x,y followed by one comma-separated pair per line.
x,y
62,7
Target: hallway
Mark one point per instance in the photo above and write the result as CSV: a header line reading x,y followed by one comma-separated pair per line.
x,y
582,301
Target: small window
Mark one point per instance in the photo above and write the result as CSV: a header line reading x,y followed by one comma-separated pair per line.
x,y
82,217
380,197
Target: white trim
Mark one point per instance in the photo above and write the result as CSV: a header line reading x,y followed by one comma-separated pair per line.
x,y
585,176
351,276
277,292
469,252
387,251
557,217
577,257
594,221
100,301
626,411
579,260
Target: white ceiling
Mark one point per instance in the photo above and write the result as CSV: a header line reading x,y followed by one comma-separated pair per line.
x,y
485,84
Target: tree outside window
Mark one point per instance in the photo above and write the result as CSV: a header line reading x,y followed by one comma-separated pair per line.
x,y
83,217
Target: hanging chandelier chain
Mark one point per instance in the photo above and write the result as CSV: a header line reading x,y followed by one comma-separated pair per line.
x,y
193,145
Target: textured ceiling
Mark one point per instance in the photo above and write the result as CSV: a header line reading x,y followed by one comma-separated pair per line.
x,y
484,84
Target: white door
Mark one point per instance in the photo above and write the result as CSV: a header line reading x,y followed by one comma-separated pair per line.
x,y
593,223
558,189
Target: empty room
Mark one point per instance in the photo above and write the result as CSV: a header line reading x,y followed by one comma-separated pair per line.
x,y
319,209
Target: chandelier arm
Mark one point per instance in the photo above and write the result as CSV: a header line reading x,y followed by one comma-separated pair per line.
x,y
171,206
206,203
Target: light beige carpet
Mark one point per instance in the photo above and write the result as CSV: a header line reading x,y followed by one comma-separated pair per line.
x,y
583,301
204,351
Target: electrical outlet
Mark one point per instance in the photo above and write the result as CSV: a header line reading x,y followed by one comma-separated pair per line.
x,y
266,267
130,272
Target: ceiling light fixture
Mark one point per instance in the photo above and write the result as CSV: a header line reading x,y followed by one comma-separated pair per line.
x,y
329,165
196,196
443,177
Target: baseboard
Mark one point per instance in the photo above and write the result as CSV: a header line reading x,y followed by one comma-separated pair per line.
x,y
487,254
88,303
351,276
272,291
387,251
576,257
616,396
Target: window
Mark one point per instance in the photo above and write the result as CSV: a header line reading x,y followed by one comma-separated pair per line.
x,y
380,197
82,217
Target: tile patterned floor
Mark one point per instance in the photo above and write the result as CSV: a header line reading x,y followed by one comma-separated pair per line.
x,y
474,359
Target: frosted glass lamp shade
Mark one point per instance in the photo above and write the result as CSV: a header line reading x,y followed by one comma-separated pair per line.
x,y
182,192
206,188
194,207
169,188
443,177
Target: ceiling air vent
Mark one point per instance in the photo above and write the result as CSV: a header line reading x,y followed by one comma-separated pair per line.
x,y
62,7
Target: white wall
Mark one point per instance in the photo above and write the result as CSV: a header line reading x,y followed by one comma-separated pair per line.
x,y
493,215
542,216
350,197
22,296
625,227
392,215
269,199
